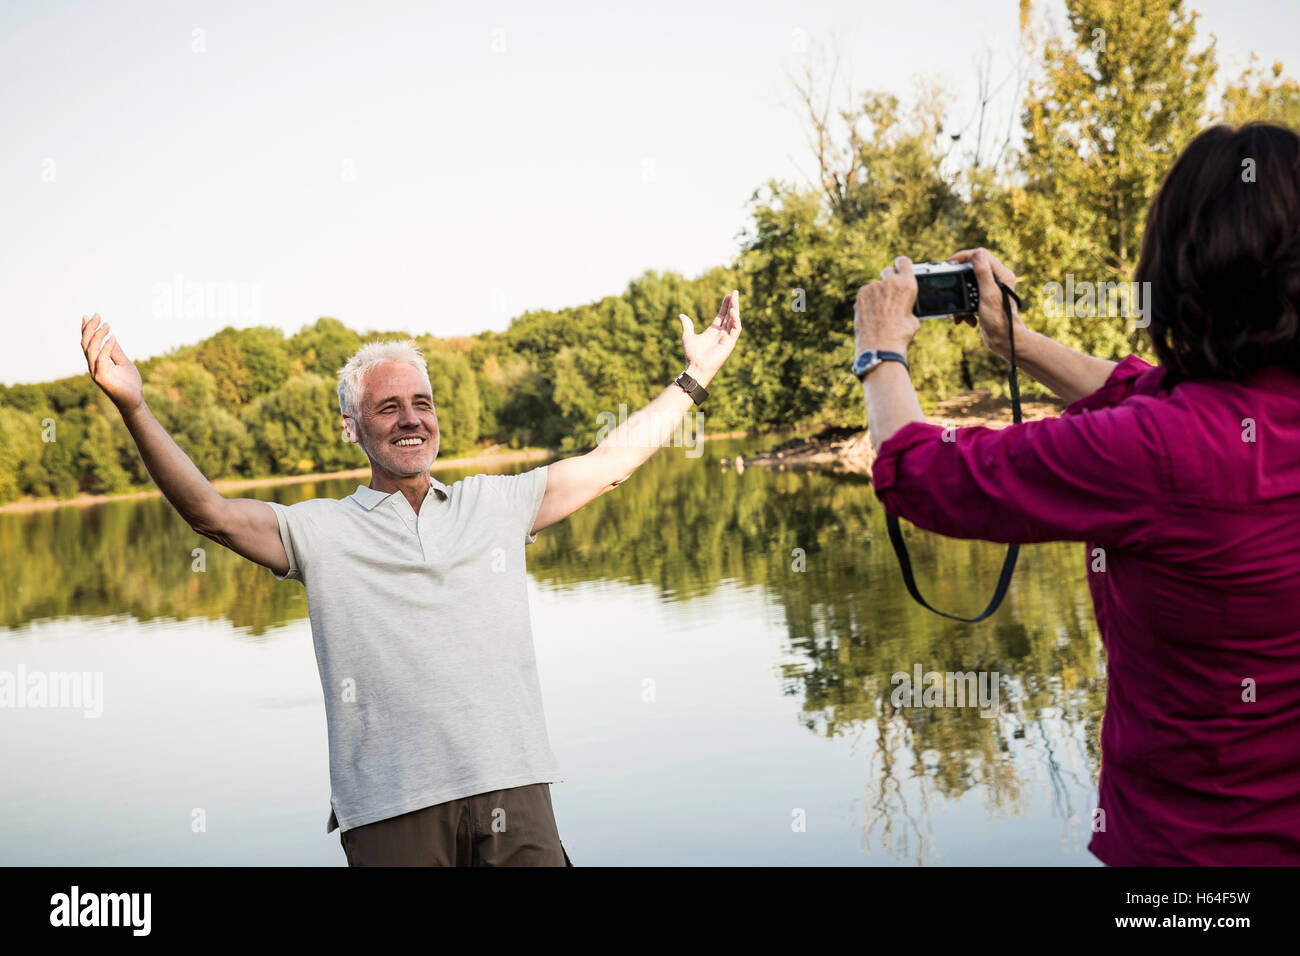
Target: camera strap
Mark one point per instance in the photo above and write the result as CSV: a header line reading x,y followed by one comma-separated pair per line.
x,y
1013,551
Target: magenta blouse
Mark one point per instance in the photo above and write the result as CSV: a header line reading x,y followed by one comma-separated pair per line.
x,y
1193,495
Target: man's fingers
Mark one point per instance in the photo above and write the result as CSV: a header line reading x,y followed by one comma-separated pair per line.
x,y
95,337
117,355
88,327
92,326
102,355
106,351
688,327
92,350
729,311
722,313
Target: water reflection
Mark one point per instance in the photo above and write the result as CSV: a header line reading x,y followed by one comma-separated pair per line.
x,y
788,571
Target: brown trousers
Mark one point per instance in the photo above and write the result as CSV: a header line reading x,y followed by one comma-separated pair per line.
x,y
514,827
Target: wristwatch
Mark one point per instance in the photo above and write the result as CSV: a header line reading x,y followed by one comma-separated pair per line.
x,y
692,388
874,358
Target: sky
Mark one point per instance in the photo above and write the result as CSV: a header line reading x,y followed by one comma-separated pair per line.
x,y
432,167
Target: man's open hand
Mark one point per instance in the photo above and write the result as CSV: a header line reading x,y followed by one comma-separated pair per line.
x,y
109,367
709,350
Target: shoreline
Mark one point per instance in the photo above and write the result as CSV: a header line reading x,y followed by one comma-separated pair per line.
x,y
31,505
849,449
83,500
970,408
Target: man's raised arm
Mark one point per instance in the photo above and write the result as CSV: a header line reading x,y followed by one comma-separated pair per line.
x,y
574,482
244,525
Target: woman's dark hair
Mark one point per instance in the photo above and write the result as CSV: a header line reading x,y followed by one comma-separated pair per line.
x,y
1222,253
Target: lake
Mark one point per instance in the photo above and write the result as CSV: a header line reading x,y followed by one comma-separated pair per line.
x,y
717,651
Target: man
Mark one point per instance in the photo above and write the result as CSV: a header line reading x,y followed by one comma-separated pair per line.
x,y
417,597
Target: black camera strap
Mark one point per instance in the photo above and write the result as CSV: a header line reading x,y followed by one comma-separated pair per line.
x,y
1013,551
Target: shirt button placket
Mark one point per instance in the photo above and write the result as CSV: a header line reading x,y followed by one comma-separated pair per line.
x,y
431,503
411,520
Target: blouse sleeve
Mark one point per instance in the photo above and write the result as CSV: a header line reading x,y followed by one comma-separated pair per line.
x,y
1132,376
1098,473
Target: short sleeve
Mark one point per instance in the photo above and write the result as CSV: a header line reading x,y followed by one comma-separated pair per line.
x,y
1098,476
523,494
286,517
531,492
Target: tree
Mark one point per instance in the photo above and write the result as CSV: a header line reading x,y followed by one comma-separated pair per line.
x,y
297,429
99,462
1118,98
809,250
245,363
1268,97
456,396
20,454
182,394
323,348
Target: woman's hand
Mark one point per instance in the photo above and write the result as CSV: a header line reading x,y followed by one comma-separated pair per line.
x,y
992,321
109,367
882,314
707,351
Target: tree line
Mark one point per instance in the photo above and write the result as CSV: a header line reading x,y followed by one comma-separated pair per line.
x,y
1105,107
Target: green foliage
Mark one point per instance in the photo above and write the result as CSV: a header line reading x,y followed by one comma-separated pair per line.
x,y
323,348
1117,100
246,363
100,452
182,395
808,253
456,397
296,429
20,454
1268,97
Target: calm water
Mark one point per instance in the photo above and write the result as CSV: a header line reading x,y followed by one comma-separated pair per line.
x,y
709,703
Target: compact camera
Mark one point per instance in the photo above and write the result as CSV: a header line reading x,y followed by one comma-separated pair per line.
x,y
945,288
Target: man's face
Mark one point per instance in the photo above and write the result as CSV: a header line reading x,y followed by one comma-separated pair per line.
x,y
398,428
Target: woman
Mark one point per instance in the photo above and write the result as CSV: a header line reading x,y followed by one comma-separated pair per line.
x,y
1183,477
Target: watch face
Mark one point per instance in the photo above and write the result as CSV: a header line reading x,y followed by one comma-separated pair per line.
x,y
866,362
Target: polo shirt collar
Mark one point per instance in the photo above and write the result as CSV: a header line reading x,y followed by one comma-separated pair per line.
x,y
368,497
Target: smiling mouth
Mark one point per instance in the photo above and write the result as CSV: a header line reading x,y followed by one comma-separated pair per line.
x,y
409,442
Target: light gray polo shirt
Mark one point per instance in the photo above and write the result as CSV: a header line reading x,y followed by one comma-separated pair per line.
x,y
423,642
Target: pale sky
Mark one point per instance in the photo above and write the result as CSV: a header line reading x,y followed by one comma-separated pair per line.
x,y
437,167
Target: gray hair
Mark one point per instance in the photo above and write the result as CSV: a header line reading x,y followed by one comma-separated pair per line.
x,y
368,356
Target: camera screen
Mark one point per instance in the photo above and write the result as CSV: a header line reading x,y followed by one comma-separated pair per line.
x,y
939,294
